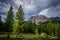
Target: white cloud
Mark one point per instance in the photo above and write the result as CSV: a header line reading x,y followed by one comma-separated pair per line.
x,y
17,2
28,5
29,8
3,17
44,12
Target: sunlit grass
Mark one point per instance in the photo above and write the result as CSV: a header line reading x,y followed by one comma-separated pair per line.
x,y
25,36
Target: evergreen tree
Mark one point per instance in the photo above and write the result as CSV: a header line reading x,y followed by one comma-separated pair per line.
x,y
34,26
15,27
9,19
20,17
50,28
2,28
0,24
36,31
30,27
0,18
57,30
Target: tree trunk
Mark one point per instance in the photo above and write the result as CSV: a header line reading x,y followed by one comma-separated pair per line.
x,y
8,36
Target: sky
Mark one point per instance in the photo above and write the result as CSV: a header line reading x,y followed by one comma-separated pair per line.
x,y
49,8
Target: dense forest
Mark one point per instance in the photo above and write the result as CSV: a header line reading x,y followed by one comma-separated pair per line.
x,y
17,25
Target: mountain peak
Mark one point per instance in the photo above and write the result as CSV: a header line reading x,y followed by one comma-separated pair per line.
x,y
38,18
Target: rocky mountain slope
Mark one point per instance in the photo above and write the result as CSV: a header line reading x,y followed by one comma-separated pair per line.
x,y
38,19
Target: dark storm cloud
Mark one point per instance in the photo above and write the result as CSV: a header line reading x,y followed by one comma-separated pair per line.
x,y
43,4
54,10
56,3
2,13
5,5
7,1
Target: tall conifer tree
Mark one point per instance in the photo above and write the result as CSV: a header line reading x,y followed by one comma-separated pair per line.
x,y
20,17
9,19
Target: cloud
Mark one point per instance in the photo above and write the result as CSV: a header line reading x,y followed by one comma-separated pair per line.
x,y
34,5
54,11
44,12
31,7
4,5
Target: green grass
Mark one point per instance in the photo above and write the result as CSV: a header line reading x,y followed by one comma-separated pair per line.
x,y
23,35
19,36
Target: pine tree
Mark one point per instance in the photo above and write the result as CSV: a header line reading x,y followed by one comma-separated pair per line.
x,y
0,19
58,29
50,28
20,17
0,24
9,19
20,14
15,29
34,26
